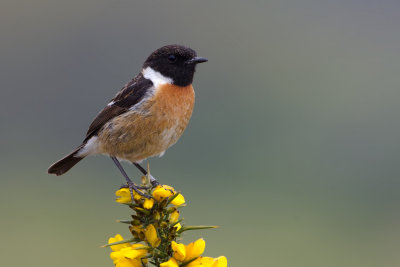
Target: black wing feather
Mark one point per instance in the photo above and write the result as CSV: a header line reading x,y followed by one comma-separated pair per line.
x,y
129,95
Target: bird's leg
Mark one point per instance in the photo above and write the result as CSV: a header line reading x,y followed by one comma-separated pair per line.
x,y
153,180
131,185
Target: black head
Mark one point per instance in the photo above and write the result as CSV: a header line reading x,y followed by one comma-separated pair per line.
x,y
176,62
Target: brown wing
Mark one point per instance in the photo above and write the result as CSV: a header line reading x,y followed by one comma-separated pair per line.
x,y
129,96
104,116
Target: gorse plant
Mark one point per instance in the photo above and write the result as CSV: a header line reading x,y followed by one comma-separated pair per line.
x,y
155,227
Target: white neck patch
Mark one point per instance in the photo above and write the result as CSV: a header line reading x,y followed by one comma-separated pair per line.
x,y
155,77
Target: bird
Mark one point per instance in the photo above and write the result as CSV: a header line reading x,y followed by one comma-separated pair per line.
x,y
146,117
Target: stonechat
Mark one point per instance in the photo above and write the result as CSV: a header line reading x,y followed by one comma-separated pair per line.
x,y
146,117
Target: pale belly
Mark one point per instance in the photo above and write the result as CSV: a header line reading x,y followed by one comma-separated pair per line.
x,y
150,130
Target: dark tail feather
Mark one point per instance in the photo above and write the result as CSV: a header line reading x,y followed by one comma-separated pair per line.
x,y
66,163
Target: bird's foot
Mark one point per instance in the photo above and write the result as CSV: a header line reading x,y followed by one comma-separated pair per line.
x,y
154,182
148,182
133,187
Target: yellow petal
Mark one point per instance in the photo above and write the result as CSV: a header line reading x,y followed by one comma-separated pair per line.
x,y
162,191
124,262
173,218
136,196
141,252
179,251
178,226
170,263
202,262
136,263
116,255
220,262
129,253
195,249
122,192
117,238
151,236
179,200
132,253
169,188
148,203
123,196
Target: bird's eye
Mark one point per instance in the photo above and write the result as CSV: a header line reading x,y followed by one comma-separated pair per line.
x,y
172,58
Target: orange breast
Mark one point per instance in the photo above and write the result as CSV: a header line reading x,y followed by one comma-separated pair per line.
x,y
151,128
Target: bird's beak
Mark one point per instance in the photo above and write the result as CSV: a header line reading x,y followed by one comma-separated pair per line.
x,y
196,60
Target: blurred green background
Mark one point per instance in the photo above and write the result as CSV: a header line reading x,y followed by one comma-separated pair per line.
x,y
293,147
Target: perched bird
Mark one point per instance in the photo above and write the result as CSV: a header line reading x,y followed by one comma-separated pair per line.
x,y
146,117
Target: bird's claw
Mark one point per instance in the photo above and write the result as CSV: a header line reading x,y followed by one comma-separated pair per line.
x,y
133,187
154,183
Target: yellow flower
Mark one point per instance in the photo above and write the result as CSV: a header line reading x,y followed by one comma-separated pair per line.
x,y
151,236
164,191
178,226
123,196
170,263
129,256
124,262
202,262
186,253
130,252
195,249
140,252
148,203
220,262
179,251
117,238
173,218
179,200
136,196
123,253
209,262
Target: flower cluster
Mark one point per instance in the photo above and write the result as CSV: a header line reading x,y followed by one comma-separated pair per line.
x,y
155,227
153,213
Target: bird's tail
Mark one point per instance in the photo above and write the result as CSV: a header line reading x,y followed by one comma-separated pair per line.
x,y
63,165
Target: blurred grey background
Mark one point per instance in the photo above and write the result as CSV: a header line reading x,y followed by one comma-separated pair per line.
x,y
293,147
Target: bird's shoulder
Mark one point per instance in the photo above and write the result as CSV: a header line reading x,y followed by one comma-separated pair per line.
x,y
125,99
